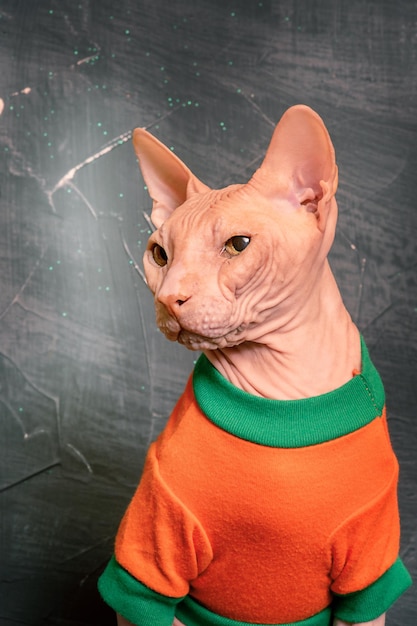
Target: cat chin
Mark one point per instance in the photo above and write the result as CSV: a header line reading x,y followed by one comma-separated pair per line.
x,y
194,341
197,342
200,342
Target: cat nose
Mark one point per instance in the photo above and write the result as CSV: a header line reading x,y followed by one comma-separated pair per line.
x,y
172,302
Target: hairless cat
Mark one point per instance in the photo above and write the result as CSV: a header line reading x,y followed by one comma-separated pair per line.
x,y
271,495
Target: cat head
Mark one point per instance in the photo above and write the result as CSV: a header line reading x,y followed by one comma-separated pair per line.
x,y
232,265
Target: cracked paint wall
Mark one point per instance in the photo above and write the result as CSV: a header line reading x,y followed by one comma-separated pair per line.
x,y
86,380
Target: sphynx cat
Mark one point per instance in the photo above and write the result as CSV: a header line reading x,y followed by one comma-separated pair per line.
x,y
242,275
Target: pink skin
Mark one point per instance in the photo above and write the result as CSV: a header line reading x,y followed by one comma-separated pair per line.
x,y
269,316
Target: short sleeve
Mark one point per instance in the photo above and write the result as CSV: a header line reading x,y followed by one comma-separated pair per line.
x,y
365,559
367,604
136,602
160,542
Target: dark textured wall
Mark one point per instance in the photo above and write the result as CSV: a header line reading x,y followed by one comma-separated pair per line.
x,y
86,382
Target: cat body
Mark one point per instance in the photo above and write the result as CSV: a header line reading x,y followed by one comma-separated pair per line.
x,y
270,497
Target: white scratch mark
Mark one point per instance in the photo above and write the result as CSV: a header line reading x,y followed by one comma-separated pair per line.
x,y
133,262
84,199
23,286
54,399
363,262
87,59
148,220
69,176
67,179
256,107
80,456
362,269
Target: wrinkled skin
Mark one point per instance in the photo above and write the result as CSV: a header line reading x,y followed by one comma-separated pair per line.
x,y
238,294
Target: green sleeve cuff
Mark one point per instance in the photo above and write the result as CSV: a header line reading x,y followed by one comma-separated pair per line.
x,y
133,600
370,603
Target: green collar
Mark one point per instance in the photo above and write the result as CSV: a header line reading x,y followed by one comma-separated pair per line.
x,y
290,423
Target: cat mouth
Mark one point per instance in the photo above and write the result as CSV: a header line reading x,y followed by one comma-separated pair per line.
x,y
196,341
200,337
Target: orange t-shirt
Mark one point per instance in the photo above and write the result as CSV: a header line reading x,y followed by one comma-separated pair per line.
x,y
261,511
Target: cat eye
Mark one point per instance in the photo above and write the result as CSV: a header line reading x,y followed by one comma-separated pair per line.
x,y
159,255
235,245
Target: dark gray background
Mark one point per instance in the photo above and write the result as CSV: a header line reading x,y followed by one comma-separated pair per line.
x,y
86,381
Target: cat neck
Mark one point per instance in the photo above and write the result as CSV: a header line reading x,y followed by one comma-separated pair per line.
x,y
309,354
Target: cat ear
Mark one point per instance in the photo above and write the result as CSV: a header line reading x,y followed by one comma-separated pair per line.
x,y
168,179
300,163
